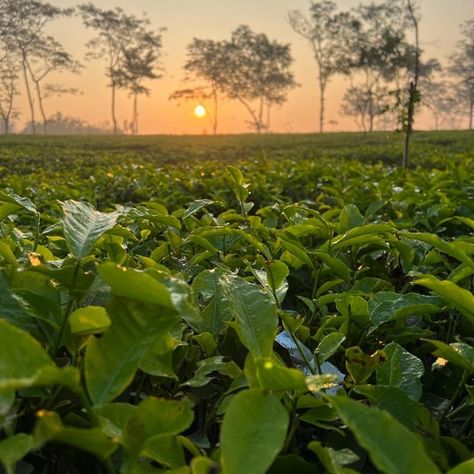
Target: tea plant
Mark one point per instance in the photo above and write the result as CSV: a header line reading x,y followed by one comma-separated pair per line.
x,y
280,316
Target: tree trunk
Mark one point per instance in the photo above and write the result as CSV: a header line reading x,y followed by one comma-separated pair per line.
x,y
214,119
371,112
322,89
471,110
40,104
269,110
29,95
135,114
114,118
413,90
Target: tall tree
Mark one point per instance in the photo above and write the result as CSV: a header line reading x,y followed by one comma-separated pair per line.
x,y
140,62
8,91
258,74
205,69
114,29
24,33
328,33
413,96
379,50
462,67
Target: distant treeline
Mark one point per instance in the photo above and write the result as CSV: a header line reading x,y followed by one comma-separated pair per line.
x,y
376,45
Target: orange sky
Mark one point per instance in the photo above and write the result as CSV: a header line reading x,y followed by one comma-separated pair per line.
x,y
185,19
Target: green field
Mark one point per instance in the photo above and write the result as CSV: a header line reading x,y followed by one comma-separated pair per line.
x,y
237,304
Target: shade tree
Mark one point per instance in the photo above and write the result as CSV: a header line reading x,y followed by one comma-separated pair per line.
x,y
329,34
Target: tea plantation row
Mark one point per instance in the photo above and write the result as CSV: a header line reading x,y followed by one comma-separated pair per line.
x,y
237,305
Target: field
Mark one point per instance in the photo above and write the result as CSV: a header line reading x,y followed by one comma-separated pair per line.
x,y
237,304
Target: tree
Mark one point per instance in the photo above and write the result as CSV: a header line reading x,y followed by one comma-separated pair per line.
x,y
329,33
378,51
413,96
462,67
141,61
439,98
205,65
117,34
365,104
39,54
257,74
8,91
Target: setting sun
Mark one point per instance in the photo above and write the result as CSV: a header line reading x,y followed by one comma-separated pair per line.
x,y
200,111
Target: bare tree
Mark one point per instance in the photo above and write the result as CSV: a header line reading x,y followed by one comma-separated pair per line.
x,y
328,33
462,67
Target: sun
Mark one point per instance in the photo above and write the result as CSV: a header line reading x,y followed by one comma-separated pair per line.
x,y
200,111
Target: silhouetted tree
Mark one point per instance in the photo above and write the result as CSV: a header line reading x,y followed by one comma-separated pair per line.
x,y
140,61
379,49
257,72
8,90
39,54
205,65
462,67
117,34
329,34
365,103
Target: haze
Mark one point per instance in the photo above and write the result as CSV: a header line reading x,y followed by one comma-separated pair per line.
x,y
185,19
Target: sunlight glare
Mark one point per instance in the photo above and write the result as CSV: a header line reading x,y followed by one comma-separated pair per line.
x,y
200,111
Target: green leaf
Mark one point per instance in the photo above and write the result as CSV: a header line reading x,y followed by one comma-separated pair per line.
x,y
20,202
89,320
210,286
402,370
235,174
8,208
254,312
25,363
395,401
277,378
329,345
14,449
466,467
252,433
207,366
457,297
49,427
389,306
112,360
293,246
440,245
334,460
152,431
277,271
359,235
196,206
336,265
460,354
349,218
83,225
135,285
361,366
392,447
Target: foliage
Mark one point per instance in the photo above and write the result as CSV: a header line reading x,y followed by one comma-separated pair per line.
x,y
259,313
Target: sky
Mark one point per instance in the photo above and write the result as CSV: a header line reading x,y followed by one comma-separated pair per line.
x,y
215,19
